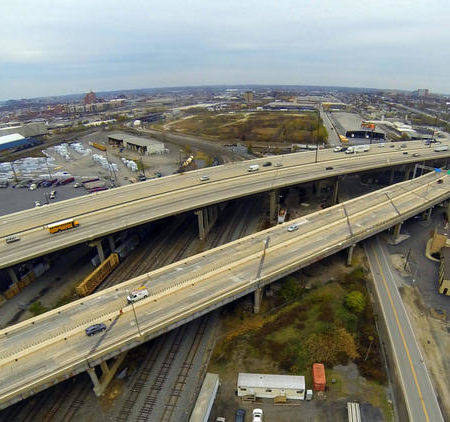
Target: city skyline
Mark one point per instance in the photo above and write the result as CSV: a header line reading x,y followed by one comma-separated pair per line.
x,y
58,48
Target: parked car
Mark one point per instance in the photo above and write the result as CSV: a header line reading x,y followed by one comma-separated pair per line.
x,y
240,415
204,178
257,415
33,186
77,185
94,329
52,194
37,204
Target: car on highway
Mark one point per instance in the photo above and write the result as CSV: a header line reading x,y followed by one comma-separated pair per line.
x,y
12,239
405,152
257,415
37,204
137,294
240,415
416,155
277,164
267,164
338,148
381,145
204,178
293,227
77,185
253,167
328,168
52,194
403,146
94,329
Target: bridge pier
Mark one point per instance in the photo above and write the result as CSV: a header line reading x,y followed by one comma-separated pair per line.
x,y
350,255
12,275
427,214
206,218
274,196
391,177
334,198
98,244
108,373
112,244
396,233
257,300
408,171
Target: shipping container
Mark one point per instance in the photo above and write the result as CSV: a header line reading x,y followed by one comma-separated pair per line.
x,y
98,146
93,280
318,375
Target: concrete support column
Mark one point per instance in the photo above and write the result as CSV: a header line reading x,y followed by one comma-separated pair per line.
x,y
94,378
98,244
12,275
397,229
334,199
273,204
201,224
391,177
428,215
257,300
317,188
107,374
350,255
408,171
112,244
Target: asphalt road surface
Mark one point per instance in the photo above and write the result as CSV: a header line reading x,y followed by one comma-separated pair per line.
x,y
421,400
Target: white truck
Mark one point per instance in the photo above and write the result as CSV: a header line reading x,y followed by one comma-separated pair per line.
x,y
441,147
357,148
137,294
253,167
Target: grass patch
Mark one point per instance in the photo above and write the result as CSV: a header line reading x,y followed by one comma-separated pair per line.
x,y
36,308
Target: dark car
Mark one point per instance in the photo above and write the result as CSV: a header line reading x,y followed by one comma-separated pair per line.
x,y
267,164
240,415
328,168
96,328
405,152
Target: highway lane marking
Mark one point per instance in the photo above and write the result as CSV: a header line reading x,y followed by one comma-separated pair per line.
x,y
394,310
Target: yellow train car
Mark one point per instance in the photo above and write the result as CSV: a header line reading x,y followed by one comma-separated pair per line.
x,y
62,225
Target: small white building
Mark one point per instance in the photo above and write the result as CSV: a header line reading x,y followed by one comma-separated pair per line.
x,y
291,387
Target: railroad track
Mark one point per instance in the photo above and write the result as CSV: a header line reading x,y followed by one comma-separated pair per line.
x,y
186,367
151,398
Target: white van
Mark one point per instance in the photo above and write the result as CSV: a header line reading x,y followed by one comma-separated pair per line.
x,y
438,148
136,295
253,167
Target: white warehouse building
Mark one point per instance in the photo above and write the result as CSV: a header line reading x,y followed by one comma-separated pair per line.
x,y
291,387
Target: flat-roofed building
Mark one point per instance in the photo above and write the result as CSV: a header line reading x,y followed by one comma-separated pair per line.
x,y
134,143
291,387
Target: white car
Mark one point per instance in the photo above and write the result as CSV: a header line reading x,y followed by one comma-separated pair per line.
x,y
257,415
293,227
138,294
52,194
37,204
204,178
337,148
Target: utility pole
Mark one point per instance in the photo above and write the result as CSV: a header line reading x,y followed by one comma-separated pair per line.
x,y
135,316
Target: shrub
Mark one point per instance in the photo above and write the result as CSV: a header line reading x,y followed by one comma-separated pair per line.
x,y
355,301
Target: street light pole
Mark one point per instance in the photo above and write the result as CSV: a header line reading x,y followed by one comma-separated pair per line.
x,y
317,135
135,317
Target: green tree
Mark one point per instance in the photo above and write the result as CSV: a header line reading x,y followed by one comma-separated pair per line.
x,y
355,301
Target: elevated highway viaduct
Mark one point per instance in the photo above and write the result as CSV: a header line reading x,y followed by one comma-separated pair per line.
x,y
44,350
104,213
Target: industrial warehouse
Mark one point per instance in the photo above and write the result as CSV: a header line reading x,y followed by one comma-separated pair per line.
x,y
134,143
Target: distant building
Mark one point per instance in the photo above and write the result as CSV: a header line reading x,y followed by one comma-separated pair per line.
x,y
90,98
421,93
248,96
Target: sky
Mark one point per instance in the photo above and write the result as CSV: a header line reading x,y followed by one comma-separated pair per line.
x,y
57,47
